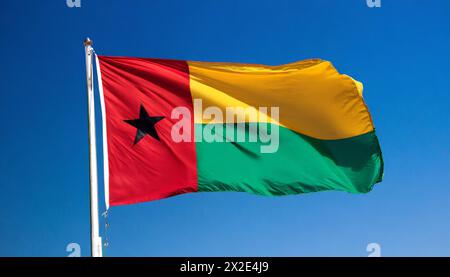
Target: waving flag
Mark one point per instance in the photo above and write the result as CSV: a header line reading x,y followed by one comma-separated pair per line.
x,y
175,127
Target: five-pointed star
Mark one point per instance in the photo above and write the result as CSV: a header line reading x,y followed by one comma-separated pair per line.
x,y
145,125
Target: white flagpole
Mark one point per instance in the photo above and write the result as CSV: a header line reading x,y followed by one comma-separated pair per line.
x,y
96,240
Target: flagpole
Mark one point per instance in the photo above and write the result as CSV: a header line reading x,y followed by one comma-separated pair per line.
x,y
96,240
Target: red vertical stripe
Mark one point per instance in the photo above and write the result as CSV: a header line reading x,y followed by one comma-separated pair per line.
x,y
150,169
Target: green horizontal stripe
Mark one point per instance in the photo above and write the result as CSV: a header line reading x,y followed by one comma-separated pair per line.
x,y
301,164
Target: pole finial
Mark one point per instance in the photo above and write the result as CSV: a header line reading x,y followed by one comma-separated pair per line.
x,y
87,42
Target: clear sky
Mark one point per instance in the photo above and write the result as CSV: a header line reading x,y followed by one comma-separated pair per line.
x,y
401,52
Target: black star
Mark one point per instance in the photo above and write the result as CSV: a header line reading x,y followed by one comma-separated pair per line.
x,y
145,124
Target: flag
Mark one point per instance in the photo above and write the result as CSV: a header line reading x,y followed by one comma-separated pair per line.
x,y
174,127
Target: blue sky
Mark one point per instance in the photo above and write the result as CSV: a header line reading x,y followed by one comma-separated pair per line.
x,y
401,52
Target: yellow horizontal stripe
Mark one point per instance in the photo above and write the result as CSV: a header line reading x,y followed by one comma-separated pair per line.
x,y
313,98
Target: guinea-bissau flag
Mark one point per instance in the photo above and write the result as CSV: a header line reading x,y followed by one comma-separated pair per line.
x,y
326,136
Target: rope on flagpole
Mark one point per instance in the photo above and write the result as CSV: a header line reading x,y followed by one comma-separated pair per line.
x,y
105,150
106,236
